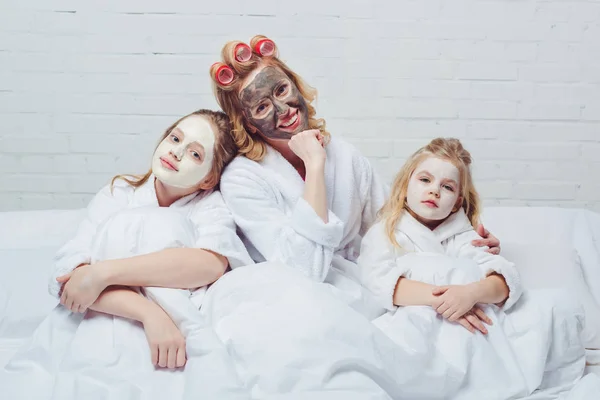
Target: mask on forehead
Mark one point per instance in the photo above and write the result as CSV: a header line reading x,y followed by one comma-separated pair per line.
x,y
273,104
184,158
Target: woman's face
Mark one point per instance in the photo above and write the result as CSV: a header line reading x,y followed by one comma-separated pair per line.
x,y
273,104
184,158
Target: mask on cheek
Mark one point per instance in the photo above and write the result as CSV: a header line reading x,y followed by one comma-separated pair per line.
x,y
189,171
419,192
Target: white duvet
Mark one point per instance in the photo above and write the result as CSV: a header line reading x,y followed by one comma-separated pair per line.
x,y
263,332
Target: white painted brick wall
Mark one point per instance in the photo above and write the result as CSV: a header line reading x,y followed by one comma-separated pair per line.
x,y
87,87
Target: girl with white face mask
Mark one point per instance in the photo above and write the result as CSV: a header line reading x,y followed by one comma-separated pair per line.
x,y
419,261
146,251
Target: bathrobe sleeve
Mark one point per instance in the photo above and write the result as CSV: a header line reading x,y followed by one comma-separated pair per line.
x,y
489,264
77,251
216,230
374,192
381,265
299,239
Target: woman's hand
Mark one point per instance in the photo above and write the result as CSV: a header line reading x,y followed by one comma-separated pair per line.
x,y
167,344
488,240
453,301
81,287
308,146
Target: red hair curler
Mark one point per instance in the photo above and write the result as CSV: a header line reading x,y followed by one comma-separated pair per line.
x,y
223,73
242,52
265,47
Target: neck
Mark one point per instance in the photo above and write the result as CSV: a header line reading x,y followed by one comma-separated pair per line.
x,y
429,223
167,195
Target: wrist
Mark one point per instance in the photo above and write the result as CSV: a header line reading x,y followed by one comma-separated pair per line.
x,y
315,166
477,291
105,272
150,312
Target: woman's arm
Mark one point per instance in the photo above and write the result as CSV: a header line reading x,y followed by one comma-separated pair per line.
x,y
300,239
308,146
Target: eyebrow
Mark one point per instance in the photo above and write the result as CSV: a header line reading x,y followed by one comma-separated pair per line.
x,y
428,174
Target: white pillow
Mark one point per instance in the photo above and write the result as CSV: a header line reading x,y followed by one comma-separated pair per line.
x,y
554,266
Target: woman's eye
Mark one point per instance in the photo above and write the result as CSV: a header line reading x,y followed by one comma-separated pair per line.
x,y
281,90
196,155
261,108
426,180
450,188
175,138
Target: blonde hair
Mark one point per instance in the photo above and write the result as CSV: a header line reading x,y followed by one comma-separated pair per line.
x,y
224,150
446,149
252,145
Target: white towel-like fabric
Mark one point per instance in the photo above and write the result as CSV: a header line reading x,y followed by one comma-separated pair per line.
x,y
277,224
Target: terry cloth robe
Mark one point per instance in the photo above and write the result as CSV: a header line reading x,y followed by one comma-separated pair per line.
x,y
534,342
277,224
96,355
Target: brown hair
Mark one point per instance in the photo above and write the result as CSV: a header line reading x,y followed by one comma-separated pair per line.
x,y
447,149
224,151
251,145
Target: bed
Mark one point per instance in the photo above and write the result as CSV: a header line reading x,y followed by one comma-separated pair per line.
x,y
566,240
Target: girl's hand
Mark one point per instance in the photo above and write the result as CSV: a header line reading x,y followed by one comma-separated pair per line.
x,y
472,321
453,301
308,146
81,287
488,240
167,344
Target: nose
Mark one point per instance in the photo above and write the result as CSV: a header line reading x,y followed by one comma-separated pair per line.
x,y
435,191
177,152
280,107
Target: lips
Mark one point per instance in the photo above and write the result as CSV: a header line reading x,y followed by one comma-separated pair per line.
x,y
430,203
168,164
290,122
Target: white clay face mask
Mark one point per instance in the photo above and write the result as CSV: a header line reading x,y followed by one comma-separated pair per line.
x,y
433,189
184,158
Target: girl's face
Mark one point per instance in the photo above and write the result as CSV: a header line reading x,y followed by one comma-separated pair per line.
x,y
184,158
434,190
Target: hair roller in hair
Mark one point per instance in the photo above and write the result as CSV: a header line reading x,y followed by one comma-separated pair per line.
x,y
222,73
265,47
242,52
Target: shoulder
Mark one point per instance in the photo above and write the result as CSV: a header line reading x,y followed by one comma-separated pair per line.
x,y
115,190
340,147
246,174
376,233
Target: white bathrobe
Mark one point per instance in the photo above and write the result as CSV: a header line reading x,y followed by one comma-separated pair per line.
x,y
277,224
534,342
75,356
382,263
215,228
